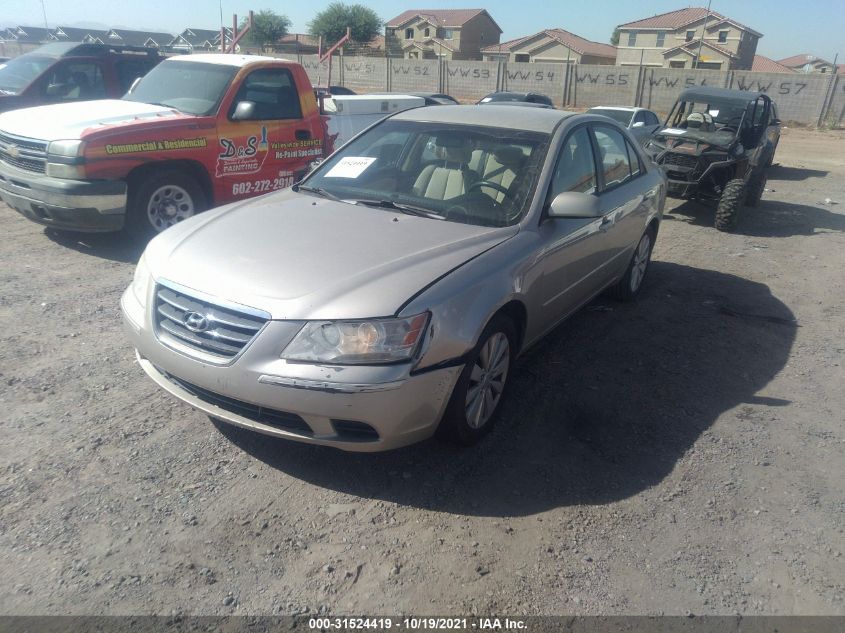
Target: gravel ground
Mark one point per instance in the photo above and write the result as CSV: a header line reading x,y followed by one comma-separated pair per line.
x,y
681,454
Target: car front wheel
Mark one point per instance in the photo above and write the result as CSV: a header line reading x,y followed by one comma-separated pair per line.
x,y
481,386
162,200
627,288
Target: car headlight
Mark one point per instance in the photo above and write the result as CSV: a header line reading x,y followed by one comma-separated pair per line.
x,y
70,148
364,342
141,281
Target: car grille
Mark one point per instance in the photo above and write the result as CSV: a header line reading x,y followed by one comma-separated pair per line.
x,y
204,326
270,417
24,153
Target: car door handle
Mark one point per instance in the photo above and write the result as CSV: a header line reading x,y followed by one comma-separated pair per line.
x,y
605,223
303,135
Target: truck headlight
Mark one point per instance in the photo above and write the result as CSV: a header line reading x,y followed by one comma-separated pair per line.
x,y
360,342
62,170
141,281
71,148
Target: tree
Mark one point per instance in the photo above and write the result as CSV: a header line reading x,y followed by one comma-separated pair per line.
x,y
614,39
331,23
267,27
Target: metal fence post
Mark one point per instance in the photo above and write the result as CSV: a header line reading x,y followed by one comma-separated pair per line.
x,y
828,96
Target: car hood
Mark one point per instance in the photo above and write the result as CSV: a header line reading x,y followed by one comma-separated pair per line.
x,y
298,256
70,120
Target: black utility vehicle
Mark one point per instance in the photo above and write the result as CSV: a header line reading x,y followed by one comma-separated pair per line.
x,y
72,71
717,145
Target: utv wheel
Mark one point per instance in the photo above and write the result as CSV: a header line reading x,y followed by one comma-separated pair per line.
x,y
730,205
755,188
627,288
475,400
161,200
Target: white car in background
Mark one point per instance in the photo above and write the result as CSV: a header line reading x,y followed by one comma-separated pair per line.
x,y
642,123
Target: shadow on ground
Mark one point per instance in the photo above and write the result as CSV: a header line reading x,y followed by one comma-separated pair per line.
x,y
773,218
116,247
782,172
601,410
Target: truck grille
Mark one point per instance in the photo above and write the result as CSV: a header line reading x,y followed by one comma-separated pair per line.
x,y
24,153
204,326
680,160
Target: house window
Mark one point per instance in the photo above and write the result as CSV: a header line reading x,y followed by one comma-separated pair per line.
x,y
632,38
448,34
723,37
661,39
690,35
522,57
427,32
409,34
677,64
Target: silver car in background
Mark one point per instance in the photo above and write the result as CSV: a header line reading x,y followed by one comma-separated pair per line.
x,y
642,123
386,297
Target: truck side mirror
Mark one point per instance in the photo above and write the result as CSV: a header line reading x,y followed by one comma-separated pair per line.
x,y
639,124
574,204
244,111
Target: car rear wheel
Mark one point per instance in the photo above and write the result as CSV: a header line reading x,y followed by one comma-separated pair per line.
x,y
627,288
730,205
162,200
481,386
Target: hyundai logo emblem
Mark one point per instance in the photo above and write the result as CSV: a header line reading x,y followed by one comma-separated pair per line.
x,y
195,321
13,151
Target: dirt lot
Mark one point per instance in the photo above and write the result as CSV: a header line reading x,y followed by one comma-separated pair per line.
x,y
681,454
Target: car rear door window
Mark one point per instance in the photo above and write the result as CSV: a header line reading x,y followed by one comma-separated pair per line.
x,y
614,162
576,168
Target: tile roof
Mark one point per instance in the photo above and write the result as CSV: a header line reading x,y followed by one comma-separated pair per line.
x,y
680,18
73,34
138,38
763,64
800,60
578,44
692,48
29,33
439,17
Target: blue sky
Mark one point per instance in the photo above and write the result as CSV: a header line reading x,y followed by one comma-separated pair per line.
x,y
789,27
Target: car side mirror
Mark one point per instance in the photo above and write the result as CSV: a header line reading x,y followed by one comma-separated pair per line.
x,y
574,204
639,124
244,111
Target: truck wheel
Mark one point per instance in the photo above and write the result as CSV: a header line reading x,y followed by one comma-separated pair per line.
x,y
475,400
161,200
730,205
627,288
755,188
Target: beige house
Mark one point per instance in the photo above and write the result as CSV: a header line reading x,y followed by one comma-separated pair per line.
x,y
552,45
687,38
441,34
807,63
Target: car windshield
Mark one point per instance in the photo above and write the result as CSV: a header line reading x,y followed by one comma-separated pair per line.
x,y
716,122
191,87
16,74
620,116
460,173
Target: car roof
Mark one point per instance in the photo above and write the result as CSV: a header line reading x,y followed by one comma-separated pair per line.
x,y
722,94
227,59
529,119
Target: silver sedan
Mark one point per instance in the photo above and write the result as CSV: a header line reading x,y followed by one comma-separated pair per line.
x,y
641,122
386,297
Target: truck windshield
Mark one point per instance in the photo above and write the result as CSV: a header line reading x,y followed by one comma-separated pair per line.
x,y
16,74
191,87
717,122
459,173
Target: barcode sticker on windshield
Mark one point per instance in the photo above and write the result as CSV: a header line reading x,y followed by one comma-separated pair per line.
x,y
350,167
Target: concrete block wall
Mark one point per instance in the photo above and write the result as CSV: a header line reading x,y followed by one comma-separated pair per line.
x,y
798,96
470,80
602,85
547,79
413,75
661,86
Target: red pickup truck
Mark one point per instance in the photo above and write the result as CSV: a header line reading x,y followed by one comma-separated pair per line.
x,y
197,131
